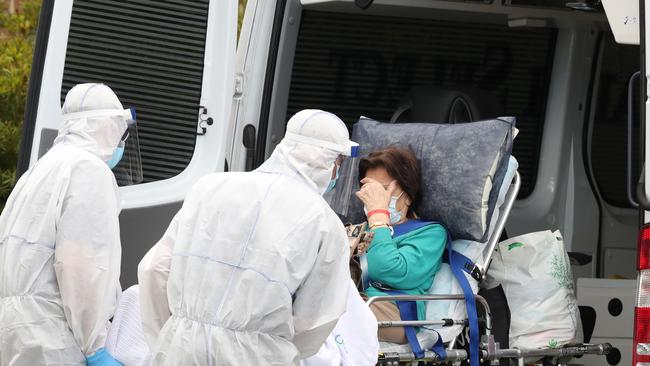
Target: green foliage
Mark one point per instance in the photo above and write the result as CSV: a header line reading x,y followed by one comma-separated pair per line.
x,y
7,178
14,75
9,141
17,33
242,8
23,21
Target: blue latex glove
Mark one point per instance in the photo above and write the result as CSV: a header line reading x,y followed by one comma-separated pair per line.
x,y
102,358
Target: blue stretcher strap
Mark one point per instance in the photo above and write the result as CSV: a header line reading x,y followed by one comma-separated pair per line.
x,y
470,304
458,264
464,263
409,226
439,347
408,310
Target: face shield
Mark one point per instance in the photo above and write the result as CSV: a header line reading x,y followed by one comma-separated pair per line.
x,y
339,197
125,162
128,170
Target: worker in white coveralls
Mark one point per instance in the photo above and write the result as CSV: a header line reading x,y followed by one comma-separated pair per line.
x,y
253,269
60,240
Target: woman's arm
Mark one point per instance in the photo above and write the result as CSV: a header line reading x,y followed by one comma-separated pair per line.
x,y
406,267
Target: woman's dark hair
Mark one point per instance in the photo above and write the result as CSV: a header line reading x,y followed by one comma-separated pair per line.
x,y
403,166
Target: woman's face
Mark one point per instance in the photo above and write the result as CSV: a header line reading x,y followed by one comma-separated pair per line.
x,y
380,174
337,165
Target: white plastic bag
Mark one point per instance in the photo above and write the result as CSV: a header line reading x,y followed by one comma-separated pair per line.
x,y
125,340
535,273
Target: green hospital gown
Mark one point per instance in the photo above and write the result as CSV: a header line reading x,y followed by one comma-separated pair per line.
x,y
406,263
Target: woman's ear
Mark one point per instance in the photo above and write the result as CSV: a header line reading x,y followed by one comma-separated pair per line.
x,y
407,200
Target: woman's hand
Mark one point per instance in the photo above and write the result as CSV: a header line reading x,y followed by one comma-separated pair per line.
x,y
374,196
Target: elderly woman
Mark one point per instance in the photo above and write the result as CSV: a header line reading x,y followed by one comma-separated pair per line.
x,y
405,254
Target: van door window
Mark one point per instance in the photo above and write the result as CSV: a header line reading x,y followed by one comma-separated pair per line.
x,y
152,56
354,65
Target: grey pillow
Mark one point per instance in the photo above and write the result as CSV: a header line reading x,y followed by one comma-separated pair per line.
x,y
461,163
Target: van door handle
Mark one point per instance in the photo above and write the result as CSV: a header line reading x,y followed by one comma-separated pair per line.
x,y
641,193
630,127
249,144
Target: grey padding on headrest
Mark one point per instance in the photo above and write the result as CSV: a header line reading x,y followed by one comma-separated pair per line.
x,y
463,167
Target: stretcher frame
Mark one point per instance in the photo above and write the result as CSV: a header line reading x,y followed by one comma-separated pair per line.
x,y
489,349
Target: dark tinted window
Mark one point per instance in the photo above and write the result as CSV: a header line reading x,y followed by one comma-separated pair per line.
x,y
151,55
354,65
609,136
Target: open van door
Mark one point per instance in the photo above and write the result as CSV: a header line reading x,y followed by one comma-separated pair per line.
x,y
173,61
641,343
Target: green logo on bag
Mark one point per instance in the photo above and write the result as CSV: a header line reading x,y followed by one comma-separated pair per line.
x,y
561,272
515,245
552,343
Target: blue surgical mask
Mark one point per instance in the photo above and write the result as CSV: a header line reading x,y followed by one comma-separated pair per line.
x,y
117,156
395,215
332,183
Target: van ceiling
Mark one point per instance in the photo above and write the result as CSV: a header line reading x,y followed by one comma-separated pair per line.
x,y
495,11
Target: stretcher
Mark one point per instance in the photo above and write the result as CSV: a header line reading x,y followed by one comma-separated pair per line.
x,y
489,349
467,152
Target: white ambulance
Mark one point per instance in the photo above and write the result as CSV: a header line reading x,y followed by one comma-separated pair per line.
x,y
209,101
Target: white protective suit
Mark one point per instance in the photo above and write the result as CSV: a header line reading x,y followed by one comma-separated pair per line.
x,y
353,342
253,269
60,242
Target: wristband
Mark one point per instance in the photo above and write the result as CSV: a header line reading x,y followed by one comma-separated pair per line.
x,y
372,212
383,224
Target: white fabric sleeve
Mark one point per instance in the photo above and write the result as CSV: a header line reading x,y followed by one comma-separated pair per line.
x,y
353,342
358,331
153,273
322,297
87,253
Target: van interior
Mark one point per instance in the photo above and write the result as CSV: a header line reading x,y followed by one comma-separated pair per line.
x,y
558,70
552,64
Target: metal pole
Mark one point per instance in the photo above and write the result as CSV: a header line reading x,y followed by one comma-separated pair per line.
x,y
479,299
488,314
374,299
429,356
596,349
511,197
419,323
